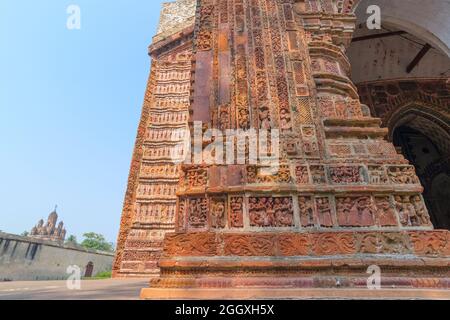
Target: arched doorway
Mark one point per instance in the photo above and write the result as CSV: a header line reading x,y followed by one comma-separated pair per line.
x,y
433,168
402,74
89,270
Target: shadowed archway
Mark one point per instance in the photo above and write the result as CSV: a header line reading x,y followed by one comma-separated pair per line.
x,y
432,164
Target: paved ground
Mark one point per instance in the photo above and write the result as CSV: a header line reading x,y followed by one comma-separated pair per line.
x,y
130,290
57,290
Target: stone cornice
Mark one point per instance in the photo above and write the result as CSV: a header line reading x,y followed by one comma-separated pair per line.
x,y
173,40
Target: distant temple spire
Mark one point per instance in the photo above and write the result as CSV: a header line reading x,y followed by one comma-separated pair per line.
x,y
50,231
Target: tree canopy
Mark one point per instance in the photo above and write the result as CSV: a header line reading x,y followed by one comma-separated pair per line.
x,y
96,241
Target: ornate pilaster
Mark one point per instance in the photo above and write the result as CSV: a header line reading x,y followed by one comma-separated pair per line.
x,y
150,203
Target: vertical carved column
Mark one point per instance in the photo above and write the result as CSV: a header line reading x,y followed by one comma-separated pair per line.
x,y
150,204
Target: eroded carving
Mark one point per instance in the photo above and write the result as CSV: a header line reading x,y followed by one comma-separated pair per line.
x,y
271,212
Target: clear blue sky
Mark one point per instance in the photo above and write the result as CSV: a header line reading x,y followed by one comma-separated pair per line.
x,y
70,102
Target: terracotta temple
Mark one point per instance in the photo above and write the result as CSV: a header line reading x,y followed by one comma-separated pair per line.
x,y
52,230
347,194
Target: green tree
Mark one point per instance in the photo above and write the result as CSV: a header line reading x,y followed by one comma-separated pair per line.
x,y
25,234
72,240
97,242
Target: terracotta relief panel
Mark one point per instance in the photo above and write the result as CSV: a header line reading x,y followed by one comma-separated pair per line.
x,y
236,212
245,245
325,212
412,211
347,175
197,211
218,213
308,218
271,212
356,211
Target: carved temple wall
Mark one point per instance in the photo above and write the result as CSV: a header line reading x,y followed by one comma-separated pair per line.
x,y
273,70
342,188
150,204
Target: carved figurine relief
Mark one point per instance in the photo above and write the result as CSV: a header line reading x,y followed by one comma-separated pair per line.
x,y
197,178
318,174
325,212
356,212
198,213
386,214
307,212
236,219
346,175
181,215
218,211
403,175
421,211
271,212
302,174
412,211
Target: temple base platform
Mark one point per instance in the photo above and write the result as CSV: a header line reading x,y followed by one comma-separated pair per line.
x,y
294,294
322,265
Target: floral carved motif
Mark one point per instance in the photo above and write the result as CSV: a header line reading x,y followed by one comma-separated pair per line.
x,y
426,243
204,40
294,245
334,243
244,245
206,20
190,244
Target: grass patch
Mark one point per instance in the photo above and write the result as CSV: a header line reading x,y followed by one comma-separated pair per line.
x,y
101,276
